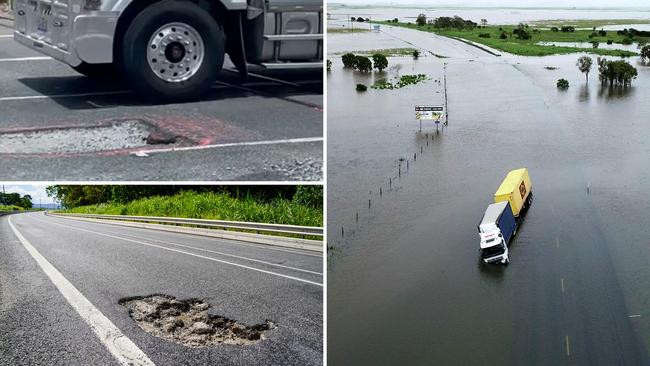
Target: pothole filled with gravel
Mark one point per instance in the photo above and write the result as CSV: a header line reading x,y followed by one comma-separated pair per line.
x,y
117,135
187,322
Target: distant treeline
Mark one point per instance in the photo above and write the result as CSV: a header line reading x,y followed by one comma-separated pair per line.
x,y
71,196
14,199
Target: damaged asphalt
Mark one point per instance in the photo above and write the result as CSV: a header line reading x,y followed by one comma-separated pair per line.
x,y
40,327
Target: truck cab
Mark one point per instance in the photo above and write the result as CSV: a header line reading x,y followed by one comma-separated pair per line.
x,y
493,241
173,49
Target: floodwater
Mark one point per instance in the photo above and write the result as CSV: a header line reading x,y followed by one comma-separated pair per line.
x,y
493,15
405,283
613,46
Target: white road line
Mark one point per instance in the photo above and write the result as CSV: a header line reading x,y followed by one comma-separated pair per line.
x,y
144,153
568,350
6,36
22,59
197,255
562,283
634,316
30,97
557,242
119,345
234,242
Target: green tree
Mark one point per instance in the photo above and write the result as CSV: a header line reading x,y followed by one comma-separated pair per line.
x,y
416,54
380,61
348,59
329,65
645,53
362,63
617,72
361,87
584,65
421,20
562,84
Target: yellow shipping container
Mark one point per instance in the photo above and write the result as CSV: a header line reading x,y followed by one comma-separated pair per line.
x,y
515,189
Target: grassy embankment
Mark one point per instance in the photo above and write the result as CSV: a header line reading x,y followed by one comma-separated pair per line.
x,y
529,47
347,30
214,206
10,208
586,23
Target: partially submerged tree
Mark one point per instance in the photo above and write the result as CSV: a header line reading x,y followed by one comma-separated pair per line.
x,y
616,72
421,19
329,65
380,61
361,87
645,53
416,54
362,63
484,22
348,59
584,65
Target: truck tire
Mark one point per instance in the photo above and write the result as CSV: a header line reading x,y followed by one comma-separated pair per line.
x,y
165,51
95,70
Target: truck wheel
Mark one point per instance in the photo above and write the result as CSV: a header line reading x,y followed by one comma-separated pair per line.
x,y
95,70
173,50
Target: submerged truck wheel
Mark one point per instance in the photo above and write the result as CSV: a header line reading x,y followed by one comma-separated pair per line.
x,y
173,50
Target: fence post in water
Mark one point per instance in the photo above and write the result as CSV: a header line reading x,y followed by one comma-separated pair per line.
x,y
342,231
380,192
357,216
390,182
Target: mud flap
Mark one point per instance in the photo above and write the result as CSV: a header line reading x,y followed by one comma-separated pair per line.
x,y
235,45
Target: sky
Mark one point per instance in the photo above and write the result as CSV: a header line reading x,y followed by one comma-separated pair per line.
x,y
35,190
506,3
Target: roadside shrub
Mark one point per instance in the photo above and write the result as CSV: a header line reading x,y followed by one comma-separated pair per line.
x,y
416,54
555,29
484,35
609,41
595,44
395,20
503,35
380,61
361,87
362,63
348,59
568,29
627,41
562,84
360,20
602,33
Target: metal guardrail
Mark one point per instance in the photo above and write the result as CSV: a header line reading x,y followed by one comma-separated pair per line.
x,y
218,224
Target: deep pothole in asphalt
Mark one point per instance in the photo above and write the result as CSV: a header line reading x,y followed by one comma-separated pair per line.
x,y
117,135
187,322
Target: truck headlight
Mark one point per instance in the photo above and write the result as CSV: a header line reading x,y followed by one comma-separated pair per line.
x,y
92,4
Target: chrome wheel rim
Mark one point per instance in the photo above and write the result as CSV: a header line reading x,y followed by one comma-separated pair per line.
x,y
175,52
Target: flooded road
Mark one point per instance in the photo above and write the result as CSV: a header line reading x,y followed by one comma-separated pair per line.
x,y
405,282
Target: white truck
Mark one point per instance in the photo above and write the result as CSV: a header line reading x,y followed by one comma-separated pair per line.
x,y
172,49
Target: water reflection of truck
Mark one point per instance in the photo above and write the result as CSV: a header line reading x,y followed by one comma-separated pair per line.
x,y
173,48
503,217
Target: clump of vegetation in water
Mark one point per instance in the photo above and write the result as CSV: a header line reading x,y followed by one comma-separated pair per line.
x,y
329,65
645,54
361,87
562,84
403,81
416,54
619,72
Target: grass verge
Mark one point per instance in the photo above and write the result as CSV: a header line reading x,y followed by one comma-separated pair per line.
x,y
347,30
529,47
213,206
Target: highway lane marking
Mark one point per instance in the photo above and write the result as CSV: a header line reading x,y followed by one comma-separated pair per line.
x,y
22,59
224,254
568,350
562,283
119,345
6,35
145,153
30,97
197,255
557,242
268,95
229,241
634,316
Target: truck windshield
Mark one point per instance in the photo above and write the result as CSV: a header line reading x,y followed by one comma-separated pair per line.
x,y
492,251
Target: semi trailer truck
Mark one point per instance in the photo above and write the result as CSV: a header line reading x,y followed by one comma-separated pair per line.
x,y
502,218
173,49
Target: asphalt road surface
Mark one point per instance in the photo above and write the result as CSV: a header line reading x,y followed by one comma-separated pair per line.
x,y
267,127
575,292
105,263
